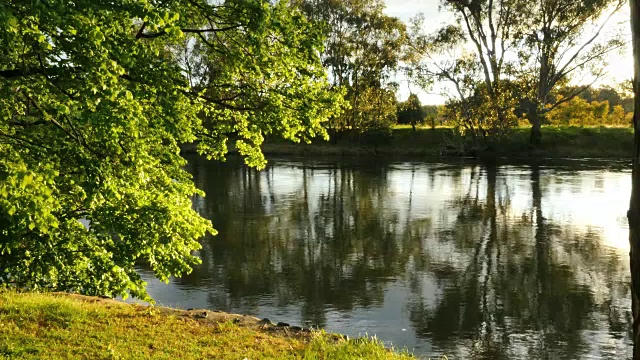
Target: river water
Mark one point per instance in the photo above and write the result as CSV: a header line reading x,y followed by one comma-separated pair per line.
x,y
468,260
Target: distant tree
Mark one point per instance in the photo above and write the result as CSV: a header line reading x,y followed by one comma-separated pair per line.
x,y
431,113
579,111
614,95
363,47
619,117
556,47
592,106
377,110
609,94
411,112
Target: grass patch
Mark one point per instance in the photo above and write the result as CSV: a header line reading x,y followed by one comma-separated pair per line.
x,y
572,142
59,326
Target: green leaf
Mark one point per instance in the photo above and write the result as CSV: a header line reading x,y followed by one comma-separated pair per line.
x,y
12,22
26,181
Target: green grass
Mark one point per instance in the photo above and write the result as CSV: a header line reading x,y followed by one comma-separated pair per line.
x,y
572,142
60,326
557,142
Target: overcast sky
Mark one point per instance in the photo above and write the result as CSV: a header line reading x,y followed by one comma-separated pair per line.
x,y
620,68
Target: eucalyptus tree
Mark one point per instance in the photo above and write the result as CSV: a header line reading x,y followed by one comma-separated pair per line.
x,y
540,45
96,99
473,55
565,37
363,48
493,28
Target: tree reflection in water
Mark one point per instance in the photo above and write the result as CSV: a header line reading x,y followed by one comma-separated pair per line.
x,y
481,260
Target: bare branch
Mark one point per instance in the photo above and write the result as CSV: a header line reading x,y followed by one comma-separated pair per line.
x,y
561,71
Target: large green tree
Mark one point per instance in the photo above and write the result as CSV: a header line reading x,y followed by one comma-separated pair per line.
x,y
411,112
96,98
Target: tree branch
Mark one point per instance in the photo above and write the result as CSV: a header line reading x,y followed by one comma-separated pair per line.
x,y
561,71
15,73
191,31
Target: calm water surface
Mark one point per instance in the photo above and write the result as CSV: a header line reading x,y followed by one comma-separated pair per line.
x,y
469,260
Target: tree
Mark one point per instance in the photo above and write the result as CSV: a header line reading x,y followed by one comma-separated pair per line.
x,y
481,101
481,118
633,215
363,47
376,110
540,44
556,40
411,112
96,100
578,111
494,28
620,106
432,114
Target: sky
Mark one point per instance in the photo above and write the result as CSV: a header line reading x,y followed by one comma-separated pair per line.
x,y
620,66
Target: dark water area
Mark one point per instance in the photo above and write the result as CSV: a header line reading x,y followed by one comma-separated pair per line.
x,y
468,260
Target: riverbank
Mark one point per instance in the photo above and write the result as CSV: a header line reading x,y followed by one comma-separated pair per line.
x,y
557,142
63,326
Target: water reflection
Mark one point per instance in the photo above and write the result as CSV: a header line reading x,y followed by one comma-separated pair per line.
x,y
468,260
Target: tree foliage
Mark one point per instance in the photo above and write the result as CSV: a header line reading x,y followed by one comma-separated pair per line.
x,y
96,99
537,46
363,48
565,37
481,118
411,112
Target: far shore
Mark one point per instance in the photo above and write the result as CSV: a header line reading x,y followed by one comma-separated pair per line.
x,y
558,142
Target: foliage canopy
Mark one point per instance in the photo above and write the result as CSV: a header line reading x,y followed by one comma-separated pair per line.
x,y
96,99
515,50
363,48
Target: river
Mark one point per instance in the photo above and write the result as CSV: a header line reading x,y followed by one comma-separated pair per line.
x,y
464,259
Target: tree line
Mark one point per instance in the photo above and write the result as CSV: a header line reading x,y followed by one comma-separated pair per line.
x,y
605,105
507,62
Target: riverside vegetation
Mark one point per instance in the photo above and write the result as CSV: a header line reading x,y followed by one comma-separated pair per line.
x,y
63,326
560,142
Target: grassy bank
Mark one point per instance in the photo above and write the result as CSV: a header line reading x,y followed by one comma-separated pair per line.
x,y
62,326
557,142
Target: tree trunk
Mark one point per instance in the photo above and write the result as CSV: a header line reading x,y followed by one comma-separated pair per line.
x,y
536,124
633,214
